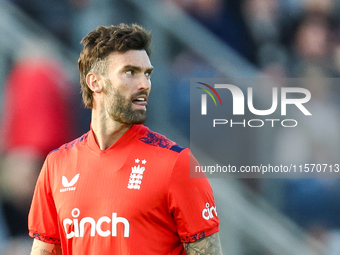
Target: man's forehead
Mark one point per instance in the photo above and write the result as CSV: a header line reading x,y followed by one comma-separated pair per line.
x,y
137,58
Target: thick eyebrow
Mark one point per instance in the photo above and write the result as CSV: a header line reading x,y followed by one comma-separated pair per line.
x,y
137,68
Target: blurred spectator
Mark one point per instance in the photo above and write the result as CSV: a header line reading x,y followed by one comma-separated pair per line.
x,y
313,203
312,47
36,119
322,6
266,24
297,7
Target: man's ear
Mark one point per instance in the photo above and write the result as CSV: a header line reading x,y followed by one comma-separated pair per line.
x,y
93,80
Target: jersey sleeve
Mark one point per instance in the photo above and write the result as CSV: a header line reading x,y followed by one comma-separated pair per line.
x,y
42,218
191,201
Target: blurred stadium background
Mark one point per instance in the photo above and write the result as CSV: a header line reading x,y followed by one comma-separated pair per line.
x,y
191,39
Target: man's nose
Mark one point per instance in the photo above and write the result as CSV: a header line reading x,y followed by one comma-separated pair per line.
x,y
144,83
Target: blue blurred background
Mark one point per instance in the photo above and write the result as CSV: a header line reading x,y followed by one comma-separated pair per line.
x,y
41,105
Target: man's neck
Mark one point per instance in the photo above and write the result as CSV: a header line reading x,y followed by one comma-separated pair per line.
x,y
107,132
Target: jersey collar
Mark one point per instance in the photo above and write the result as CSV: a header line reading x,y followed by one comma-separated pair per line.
x,y
134,133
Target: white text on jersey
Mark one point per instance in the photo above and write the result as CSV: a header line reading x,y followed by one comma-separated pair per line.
x,y
207,213
79,225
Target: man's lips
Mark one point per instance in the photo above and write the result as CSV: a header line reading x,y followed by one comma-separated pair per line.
x,y
140,101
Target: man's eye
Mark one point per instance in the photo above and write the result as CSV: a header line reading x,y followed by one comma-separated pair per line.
x,y
129,72
148,75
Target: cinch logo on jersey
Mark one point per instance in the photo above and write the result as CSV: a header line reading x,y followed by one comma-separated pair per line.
x,y
208,213
136,175
302,96
76,227
68,185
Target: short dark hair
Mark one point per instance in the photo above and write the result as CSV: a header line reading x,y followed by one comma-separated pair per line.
x,y
102,41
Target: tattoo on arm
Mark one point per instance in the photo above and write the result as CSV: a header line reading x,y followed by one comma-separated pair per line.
x,y
41,248
46,252
210,245
56,251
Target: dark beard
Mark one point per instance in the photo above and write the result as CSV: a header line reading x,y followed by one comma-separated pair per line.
x,y
121,110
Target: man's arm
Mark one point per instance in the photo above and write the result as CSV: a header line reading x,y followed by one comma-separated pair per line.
x,y
42,248
208,245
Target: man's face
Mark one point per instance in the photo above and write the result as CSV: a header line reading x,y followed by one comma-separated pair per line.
x,y
128,86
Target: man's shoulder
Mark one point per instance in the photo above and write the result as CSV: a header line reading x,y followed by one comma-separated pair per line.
x,y
158,140
70,145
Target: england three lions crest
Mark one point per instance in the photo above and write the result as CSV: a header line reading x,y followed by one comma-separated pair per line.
x,y
136,174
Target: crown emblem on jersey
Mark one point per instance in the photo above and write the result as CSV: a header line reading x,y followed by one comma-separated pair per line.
x,y
136,175
138,169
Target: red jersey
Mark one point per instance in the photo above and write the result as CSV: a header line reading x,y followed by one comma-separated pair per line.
x,y
136,197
